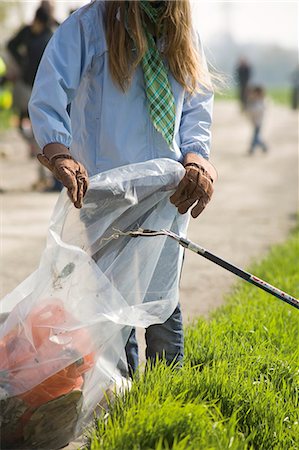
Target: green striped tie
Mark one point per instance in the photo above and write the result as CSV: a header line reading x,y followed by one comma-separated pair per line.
x,y
161,102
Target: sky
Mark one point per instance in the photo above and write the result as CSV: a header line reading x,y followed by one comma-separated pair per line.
x,y
274,22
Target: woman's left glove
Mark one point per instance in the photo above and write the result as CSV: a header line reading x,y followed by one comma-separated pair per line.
x,y
67,170
196,187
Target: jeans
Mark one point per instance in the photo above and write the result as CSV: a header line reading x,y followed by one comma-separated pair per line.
x,y
256,140
164,340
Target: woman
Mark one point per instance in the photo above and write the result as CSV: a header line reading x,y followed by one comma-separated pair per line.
x,y
139,89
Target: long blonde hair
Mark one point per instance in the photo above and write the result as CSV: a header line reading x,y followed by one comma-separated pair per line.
x,y
179,48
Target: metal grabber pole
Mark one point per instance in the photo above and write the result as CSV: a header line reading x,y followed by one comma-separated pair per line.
x,y
186,243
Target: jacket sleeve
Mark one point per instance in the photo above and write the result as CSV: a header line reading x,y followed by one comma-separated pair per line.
x,y
196,120
65,61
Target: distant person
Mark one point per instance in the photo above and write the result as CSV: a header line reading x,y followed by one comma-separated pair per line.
x,y
295,89
255,109
28,45
27,48
243,74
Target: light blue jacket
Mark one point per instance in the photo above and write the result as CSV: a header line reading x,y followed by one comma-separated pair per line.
x,y
106,128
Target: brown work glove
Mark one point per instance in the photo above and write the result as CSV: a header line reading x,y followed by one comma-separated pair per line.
x,y
72,174
196,187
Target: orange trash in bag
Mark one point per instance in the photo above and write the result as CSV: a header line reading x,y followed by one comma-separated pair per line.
x,y
41,358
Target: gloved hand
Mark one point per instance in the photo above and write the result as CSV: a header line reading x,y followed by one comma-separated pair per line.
x,y
196,185
72,174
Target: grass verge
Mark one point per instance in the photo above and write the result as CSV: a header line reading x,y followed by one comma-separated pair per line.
x,y
238,388
281,96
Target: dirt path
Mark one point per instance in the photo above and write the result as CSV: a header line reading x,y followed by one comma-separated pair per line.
x,y
254,206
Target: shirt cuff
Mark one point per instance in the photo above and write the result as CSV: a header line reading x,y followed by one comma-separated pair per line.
x,y
55,138
197,148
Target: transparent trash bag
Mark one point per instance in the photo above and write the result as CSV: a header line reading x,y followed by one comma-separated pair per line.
x,y
62,344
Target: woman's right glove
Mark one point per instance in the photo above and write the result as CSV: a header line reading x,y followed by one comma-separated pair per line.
x,y
71,173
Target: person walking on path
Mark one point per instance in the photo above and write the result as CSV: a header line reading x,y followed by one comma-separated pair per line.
x,y
243,74
27,48
255,109
135,75
295,89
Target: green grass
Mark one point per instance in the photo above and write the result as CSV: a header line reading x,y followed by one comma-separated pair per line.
x,y
228,94
238,388
280,96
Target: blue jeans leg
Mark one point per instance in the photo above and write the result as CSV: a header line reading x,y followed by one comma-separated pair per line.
x,y
257,141
166,340
131,350
255,138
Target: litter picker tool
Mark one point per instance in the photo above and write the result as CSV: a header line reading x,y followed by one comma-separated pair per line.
x,y
186,243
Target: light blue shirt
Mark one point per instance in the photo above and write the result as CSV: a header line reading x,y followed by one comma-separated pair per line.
x,y
107,128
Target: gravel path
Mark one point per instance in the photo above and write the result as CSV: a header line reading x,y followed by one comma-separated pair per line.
x,y
254,206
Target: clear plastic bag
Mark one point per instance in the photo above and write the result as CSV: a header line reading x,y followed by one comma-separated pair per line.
x,y
62,343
